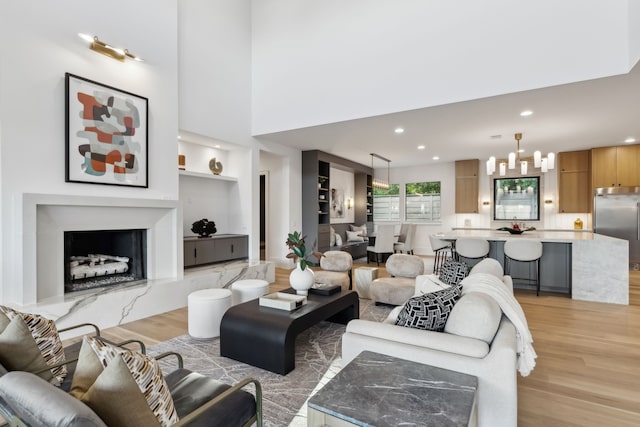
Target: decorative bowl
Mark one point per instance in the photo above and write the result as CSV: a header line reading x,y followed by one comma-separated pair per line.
x,y
514,231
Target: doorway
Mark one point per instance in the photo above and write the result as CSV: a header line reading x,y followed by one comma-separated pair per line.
x,y
264,177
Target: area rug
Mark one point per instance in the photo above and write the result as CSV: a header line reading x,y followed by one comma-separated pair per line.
x,y
317,349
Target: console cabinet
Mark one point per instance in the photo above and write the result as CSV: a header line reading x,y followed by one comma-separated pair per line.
x,y
207,250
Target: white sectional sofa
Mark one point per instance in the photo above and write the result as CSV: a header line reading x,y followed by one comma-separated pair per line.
x,y
478,340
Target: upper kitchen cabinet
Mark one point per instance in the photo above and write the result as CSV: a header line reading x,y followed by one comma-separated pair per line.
x,y
615,166
574,182
467,185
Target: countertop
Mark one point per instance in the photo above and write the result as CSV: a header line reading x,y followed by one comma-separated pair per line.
x,y
561,236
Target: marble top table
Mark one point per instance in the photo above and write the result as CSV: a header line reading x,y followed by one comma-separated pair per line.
x,y
380,390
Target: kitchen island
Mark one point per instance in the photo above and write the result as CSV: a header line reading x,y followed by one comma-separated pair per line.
x,y
586,265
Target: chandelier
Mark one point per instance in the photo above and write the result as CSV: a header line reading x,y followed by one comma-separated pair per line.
x,y
544,163
380,182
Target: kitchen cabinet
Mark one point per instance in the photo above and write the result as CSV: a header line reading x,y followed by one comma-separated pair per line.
x,y
615,166
467,185
574,182
207,250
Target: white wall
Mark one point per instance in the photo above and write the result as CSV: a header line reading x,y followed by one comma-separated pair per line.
x,y
32,109
215,68
634,32
323,62
276,204
215,101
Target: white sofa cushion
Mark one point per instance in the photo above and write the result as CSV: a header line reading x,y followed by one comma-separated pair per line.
x,y
418,337
475,315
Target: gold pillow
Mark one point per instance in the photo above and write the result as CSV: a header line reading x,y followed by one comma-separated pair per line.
x,y
42,338
129,390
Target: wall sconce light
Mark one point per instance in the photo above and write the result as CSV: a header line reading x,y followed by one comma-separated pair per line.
x,y
486,203
548,201
108,50
349,202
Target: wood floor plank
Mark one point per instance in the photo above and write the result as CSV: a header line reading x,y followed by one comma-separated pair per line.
x,y
587,371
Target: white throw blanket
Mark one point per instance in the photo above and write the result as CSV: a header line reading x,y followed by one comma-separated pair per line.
x,y
492,286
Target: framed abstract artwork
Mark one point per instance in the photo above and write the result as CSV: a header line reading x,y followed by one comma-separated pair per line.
x,y
107,134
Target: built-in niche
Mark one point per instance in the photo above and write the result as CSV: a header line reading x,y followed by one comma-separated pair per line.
x,y
341,196
99,258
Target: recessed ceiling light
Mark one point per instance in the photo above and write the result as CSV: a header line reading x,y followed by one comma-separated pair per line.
x,y
630,140
179,137
399,130
420,147
217,146
521,150
526,113
436,158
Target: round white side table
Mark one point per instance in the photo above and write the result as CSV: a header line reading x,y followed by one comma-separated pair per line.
x,y
248,289
205,311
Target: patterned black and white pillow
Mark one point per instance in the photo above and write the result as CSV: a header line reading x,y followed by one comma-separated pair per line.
x,y
429,311
452,272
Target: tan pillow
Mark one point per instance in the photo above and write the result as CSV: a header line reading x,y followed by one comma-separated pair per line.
x,y
19,351
130,390
45,335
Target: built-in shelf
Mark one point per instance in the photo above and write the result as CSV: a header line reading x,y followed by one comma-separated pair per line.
x,y
208,176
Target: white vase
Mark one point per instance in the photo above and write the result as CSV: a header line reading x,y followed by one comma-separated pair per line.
x,y
301,280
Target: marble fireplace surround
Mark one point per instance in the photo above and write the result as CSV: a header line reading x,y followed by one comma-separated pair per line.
x,y
45,219
47,216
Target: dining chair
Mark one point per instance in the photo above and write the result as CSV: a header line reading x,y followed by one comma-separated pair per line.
x,y
406,246
384,243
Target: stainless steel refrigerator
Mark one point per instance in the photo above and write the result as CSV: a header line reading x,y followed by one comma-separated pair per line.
x,y
617,214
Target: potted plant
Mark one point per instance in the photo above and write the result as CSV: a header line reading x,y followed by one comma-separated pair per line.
x,y
301,278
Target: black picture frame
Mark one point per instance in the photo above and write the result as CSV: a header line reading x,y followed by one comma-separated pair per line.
x,y
519,193
106,133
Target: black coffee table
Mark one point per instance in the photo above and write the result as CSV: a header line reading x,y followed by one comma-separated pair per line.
x,y
266,337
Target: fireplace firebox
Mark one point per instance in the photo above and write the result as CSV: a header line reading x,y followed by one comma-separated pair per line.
x,y
100,258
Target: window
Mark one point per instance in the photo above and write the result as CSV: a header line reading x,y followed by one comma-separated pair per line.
x,y
516,199
422,201
386,203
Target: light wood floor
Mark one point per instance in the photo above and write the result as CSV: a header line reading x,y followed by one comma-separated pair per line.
x,y
588,366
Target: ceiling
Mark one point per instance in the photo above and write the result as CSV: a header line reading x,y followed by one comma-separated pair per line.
x,y
575,116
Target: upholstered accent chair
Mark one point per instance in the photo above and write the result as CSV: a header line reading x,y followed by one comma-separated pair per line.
x,y
27,399
398,288
336,269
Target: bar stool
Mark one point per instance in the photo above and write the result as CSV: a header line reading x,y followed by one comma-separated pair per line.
x,y
471,249
440,249
525,250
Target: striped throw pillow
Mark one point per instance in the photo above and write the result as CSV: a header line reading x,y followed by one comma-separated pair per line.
x,y
147,374
46,336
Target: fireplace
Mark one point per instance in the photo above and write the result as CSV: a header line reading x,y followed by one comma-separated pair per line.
x,y
99,258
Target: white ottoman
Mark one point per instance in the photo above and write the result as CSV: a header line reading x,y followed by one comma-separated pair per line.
x,y
205,311
248,289
363,277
